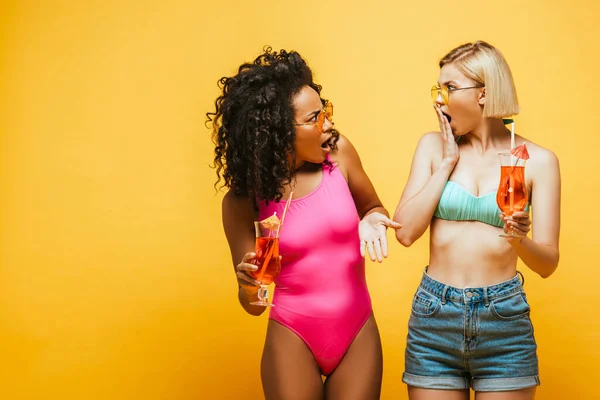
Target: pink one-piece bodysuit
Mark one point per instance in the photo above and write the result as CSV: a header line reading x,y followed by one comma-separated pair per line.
x,y
321,293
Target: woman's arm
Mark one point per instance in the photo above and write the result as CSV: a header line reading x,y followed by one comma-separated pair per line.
x,y
374,217
426,181
238,222
364,194
422,191
541,253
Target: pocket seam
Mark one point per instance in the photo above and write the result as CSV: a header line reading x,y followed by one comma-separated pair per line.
x,y
513,317
423,301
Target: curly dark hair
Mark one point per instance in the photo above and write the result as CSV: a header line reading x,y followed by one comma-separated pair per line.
x,y
253,125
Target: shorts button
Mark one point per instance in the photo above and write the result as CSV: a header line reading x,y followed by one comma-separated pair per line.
x,y
469,294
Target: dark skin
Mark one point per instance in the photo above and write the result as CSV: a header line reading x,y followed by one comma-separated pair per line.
x,y
288,368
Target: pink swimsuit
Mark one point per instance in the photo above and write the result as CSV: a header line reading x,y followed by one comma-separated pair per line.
x,y
321,293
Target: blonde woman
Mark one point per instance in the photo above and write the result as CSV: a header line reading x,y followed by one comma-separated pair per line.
x,y
470,325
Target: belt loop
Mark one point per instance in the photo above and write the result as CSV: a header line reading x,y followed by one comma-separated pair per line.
x,y
444,294
522,278
486,301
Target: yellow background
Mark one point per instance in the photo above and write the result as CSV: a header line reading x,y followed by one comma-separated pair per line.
x,y
115,277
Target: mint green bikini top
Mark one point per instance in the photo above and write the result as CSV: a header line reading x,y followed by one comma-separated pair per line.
x,y
458,204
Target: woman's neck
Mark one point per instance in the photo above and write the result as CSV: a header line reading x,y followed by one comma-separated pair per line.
x,y
490,134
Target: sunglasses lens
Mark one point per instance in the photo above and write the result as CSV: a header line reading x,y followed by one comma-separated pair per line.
x,y
434,93
439,91
320,121
326,113
444,91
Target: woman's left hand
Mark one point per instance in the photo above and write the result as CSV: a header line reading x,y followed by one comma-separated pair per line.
x,y
371,231
517,224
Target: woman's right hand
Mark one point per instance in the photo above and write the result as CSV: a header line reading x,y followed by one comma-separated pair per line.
x,y
243,269
450,152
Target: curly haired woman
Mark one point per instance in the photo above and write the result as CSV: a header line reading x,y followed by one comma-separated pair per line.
x,y
274,135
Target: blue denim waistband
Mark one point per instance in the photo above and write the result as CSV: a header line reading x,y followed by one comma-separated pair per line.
x,y
471,295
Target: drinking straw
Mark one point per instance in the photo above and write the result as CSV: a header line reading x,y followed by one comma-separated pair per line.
x,y
287,204
511,189
512,135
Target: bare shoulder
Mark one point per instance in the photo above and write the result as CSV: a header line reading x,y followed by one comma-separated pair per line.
x,y
542,167
231,200
345,157
344,150
430,148
541,159
431,140
237,206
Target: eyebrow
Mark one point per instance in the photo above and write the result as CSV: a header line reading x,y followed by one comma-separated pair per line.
x,y
447,82
313,113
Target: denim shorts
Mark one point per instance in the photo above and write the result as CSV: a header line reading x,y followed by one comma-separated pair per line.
x,y
473,337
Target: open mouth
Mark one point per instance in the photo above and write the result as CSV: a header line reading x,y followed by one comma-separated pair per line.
x,y
449,118
326,145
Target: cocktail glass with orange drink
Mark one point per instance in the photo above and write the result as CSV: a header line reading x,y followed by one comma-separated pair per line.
x,y
512,193
267,253
267,257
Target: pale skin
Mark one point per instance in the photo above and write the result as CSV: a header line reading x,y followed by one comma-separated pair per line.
x,y
288,368
470,253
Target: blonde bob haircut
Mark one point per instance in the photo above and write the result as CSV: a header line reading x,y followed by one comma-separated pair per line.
x,y
483,63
